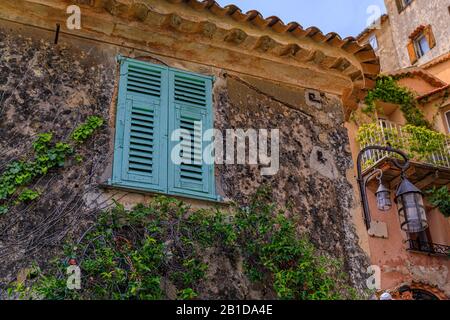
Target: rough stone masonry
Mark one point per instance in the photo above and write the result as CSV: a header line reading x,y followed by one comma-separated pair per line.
x,y
48,88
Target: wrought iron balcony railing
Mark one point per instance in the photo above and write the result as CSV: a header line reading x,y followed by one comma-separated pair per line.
x,y
430,248
434,150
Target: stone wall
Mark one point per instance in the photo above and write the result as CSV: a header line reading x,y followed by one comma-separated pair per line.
x,y
434,12
46,87
387,50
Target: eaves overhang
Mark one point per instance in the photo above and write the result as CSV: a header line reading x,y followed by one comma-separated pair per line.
x,y
222,37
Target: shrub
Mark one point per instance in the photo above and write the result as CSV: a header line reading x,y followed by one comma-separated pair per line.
x,y
128,253
441,199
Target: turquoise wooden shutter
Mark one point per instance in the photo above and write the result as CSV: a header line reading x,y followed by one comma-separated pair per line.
x,y
140,158
190,109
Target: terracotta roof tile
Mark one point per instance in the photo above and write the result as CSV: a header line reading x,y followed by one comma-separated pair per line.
x,y
417,31
349,44
440,87
437,93
362,68
425,75
368,62
436,61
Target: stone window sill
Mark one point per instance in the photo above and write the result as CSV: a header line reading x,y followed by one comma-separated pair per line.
x,y
221,202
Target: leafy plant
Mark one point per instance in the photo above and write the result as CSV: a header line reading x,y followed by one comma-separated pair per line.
x,y
419,143
20,173
128,253
28,195
422,142
273,249
42,143
441,199
187,294
387,90
47,155
3,209
79,158
84,131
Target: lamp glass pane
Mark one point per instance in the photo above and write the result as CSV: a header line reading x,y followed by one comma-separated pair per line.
x,y
412,212
384,201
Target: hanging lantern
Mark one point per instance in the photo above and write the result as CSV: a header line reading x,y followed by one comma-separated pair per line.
x,y
411,209
383,195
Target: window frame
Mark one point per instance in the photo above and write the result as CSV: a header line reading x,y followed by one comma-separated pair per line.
x,y
374,37
164,161
447,120
407,3
403,4
418,47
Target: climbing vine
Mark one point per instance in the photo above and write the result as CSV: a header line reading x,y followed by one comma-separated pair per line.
x,y
83,132
440,198
272,249
419,143
387,90
28,195
139,253
47,155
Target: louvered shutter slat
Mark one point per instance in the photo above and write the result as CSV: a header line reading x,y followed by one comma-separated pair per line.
x,y
412,52
190,109
143,97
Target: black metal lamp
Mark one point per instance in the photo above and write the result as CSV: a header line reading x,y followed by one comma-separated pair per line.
x,y
408,197
383,195
411,209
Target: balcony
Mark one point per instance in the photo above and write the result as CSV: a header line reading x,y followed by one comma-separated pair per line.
x,y
421,145
428,150
428,248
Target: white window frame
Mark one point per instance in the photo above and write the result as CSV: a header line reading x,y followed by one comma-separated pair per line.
x,y
374,38
447,119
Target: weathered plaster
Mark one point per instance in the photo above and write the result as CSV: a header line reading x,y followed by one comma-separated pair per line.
x,y
53,88
434,12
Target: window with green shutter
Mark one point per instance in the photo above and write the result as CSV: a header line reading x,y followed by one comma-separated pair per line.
x,y
153,102
190,110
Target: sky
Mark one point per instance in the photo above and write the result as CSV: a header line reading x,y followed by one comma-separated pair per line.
x,y
345,17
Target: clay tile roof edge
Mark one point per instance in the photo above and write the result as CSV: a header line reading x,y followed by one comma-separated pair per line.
x,y
436,61
425,75
381,19
348,44
433,92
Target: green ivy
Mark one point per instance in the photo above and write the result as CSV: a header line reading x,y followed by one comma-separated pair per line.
x,y
387,90
187,294
3,209
273,250
440,198
422,142
28,195
20,173
47,155
418,142
83,132
41,144
128,253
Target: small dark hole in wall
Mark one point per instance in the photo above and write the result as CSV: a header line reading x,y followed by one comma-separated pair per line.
x,y
312,97
320,157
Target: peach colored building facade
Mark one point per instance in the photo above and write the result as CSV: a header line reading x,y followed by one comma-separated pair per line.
x,y
408,272
389,246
